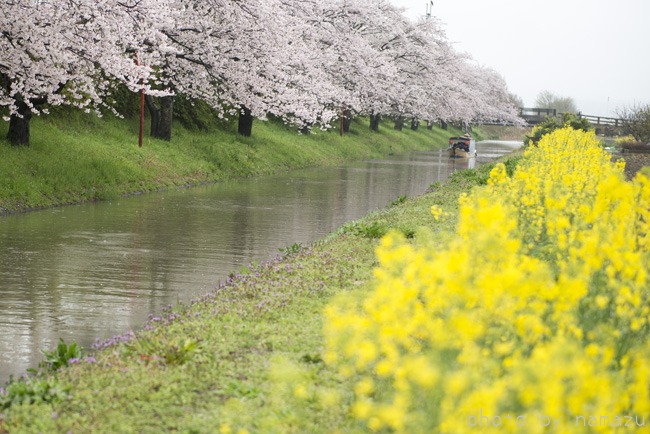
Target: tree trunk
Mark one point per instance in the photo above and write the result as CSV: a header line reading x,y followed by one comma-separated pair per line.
x,y
161,117
429,125
443,125
18,134
154,113
347,120
399,123
245,124
374,122
166,117
415,124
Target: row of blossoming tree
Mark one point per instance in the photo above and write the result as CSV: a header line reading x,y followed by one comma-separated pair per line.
x,y
306,62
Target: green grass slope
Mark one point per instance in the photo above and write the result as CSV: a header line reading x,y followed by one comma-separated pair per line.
x,y
75,157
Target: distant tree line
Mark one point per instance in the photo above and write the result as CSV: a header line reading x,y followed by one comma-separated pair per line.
x,y
561,104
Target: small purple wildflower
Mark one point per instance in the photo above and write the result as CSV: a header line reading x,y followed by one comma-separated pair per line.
x,y
115,340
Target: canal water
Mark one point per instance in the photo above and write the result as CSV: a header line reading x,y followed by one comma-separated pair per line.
x,y
93,271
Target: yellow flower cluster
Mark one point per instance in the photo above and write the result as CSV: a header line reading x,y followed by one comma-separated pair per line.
x,y
535,316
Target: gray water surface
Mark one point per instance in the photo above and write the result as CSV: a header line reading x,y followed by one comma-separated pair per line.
x,y
93,271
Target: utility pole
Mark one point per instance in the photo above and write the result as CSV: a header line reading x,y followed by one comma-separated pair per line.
x,y
429,8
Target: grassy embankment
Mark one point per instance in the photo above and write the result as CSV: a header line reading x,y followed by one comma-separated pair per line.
x,y
236,358
75,157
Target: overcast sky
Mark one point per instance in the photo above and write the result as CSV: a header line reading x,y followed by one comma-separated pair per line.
x,y
594,51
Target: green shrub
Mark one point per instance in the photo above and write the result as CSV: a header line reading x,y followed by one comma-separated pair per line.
x,y
176,351
31,391
61,356
553,123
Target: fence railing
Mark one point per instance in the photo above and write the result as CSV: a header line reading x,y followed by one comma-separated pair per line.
x,y
602,120
534,116
528,111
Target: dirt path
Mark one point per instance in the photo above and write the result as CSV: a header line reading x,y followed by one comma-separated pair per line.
x,y
633,162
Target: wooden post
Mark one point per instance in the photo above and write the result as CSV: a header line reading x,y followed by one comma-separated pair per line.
x,y
140,134
141,116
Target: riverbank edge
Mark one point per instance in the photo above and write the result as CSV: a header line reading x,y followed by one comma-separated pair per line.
x,y
211,364
87,159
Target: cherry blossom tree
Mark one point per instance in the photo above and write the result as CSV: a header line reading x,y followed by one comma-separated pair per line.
x,y
484,97
249,58
371,33
421,61
68,52
393,67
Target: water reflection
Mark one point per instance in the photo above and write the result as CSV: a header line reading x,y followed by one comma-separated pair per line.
x,y
93,271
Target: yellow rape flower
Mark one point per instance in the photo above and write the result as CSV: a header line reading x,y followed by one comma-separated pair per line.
x,y
547,269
